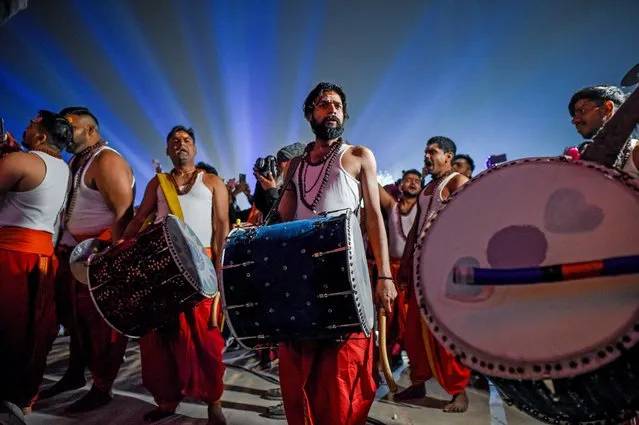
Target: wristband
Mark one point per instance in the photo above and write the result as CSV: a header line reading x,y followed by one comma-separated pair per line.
x,y
384,278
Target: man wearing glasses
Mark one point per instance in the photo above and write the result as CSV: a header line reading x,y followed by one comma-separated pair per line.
x,y
591,107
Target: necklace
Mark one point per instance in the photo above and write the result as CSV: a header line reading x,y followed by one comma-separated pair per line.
x,y
435,182
327,161
399,219
624,155
84,156
183,190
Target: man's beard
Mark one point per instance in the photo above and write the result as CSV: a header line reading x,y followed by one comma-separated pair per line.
x,y
408,194
324,131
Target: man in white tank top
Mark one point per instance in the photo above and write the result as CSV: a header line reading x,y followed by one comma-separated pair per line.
x,y
325,382
401,216
428,358
202,201
591,107
100,206
33,188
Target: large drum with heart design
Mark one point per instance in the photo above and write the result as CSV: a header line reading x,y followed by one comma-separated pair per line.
x,y
564,352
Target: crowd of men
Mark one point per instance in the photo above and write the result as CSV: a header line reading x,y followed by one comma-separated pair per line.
x,y
322,382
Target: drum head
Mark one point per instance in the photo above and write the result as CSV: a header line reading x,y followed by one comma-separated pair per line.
x,y
79,259
189,252
530,213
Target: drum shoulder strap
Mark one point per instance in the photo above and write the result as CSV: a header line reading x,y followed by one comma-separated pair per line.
x,y
288,179
171,195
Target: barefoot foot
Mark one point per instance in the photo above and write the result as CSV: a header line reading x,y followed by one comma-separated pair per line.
x,y
458,404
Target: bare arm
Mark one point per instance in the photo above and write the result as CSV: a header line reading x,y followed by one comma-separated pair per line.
x,y
114,180
148,205
385,289
455,183
385,199
11,172
220,216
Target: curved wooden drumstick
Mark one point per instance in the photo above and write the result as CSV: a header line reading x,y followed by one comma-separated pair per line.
x,y
383,354
216,304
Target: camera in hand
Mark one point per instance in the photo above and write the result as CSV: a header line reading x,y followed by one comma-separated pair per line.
x,y
263,166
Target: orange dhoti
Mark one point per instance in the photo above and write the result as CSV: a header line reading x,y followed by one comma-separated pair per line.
x,y
427,357
27,312
326,382
93,342
185,359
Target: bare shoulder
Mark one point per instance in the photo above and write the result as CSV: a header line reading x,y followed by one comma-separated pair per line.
x,y
456,182
111,161
17,160
213,182
361,152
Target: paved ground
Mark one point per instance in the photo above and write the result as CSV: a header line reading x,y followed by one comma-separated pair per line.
x,y
243,405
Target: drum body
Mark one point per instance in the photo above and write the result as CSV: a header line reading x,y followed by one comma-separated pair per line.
x,y
564,352
305,279
143,283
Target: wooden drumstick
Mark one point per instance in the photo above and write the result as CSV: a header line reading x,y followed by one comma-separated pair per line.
x,y
216,304
383,354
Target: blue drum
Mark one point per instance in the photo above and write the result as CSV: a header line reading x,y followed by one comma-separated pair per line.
x,y
294,281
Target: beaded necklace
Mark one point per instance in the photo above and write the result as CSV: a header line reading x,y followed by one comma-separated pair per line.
x,y
399,218
436,182
85,155
183,190
624,155
327,165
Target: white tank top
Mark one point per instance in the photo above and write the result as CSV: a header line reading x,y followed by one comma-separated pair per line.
x,y
341,191
38,209
197,207
630,167
397,233
91,215
427,209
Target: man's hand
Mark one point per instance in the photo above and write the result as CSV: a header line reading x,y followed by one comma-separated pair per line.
x,y
385,294
266,182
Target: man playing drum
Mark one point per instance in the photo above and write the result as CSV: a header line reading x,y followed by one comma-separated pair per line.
x,y
591,107
327,382
100,205
186,357
428,358
33,187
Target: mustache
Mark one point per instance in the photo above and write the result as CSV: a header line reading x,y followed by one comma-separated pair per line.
x,y
331,118
428,163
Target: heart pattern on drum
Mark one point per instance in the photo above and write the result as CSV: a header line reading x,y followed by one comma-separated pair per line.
x,y
517,246
568,212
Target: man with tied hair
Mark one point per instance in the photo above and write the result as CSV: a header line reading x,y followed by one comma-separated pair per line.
x,y
100,206
33,188
592,107
428,358
464,164
401,216
327,382
185,358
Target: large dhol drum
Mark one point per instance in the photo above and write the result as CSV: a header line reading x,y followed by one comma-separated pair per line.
x,y
143,283
305,279
564,352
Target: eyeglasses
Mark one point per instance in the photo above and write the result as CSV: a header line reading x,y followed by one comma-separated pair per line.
x,y
585,110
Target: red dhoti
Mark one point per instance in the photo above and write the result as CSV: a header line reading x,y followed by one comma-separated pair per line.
x,y
185,359
327,383
93,342
27,312
427,357
396,321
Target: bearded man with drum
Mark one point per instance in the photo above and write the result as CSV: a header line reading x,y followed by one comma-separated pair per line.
x,y
100,206
428,358
33,188
186,357
591,107
401,216
326,382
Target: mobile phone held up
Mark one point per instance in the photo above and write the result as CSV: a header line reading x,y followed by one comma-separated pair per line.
x,y
242,178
